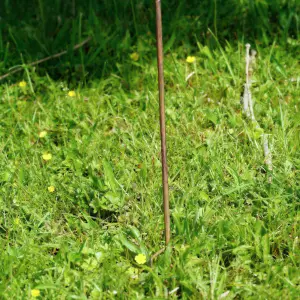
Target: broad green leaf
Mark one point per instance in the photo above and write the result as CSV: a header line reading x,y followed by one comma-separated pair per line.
x,y
109,176
129,245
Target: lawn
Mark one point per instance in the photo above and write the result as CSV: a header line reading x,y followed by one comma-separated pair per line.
x,y
80,177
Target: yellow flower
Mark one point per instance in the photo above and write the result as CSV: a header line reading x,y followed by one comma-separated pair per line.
x,y
17,221
47,156
35,293
134,56
42,134
51,188
71,94
190,59
22,83
140,259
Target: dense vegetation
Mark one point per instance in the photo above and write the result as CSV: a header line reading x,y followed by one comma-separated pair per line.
x,y
80,177
37,29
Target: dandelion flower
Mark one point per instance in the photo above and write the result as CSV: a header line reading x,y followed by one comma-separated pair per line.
x,y
51,189
190,59
134,56
22,83
47,156
35,293
140,259
71,94
42,134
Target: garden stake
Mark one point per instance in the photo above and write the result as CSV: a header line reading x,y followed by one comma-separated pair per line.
x,y
160,67
162,120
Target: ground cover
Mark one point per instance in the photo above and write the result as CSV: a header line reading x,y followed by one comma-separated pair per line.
x,y
81,183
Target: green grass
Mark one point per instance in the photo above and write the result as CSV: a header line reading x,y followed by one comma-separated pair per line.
x,y
232,231
234,235
34,30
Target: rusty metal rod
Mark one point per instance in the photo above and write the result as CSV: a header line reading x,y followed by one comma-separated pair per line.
x,y
160,68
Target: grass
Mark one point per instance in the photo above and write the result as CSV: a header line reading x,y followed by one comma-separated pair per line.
x,y
71,226
234,235
118,27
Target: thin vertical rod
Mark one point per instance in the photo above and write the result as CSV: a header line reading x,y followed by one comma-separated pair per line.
x,y
162,120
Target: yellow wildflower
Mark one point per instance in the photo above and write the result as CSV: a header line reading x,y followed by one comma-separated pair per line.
x,y
140,259
190,59
51,189
42,134
16,221
47,156
134,56
22,83
71,94
35,293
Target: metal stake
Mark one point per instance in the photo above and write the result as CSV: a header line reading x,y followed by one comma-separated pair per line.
x,y
160,68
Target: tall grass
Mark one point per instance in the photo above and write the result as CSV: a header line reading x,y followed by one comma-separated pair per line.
x,y
37,29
